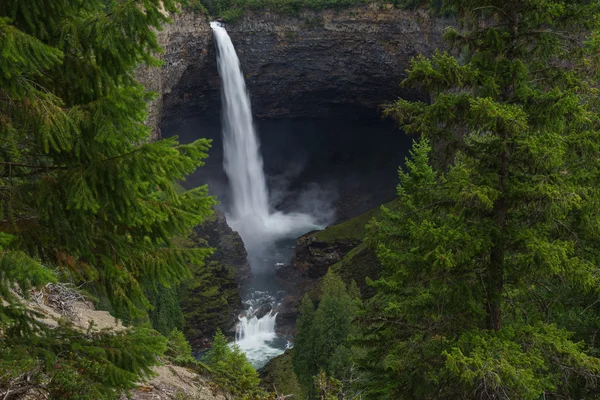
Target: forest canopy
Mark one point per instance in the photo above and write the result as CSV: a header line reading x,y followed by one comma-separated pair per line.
x,y
85,198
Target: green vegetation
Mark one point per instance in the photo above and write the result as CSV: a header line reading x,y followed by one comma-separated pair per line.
x,y
279,374
232,370
482,255
232,10
84,198
178,348
352,229
481,280
359,265
322,334
209,299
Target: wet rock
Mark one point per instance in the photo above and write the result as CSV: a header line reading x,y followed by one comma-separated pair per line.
x,y
228,245
313,257
263,310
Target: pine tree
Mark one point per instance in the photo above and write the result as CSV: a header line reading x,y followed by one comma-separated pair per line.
x,y
84,196
303,356
485,247
322,335
232,370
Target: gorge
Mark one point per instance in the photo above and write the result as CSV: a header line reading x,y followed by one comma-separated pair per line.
x,y
325,149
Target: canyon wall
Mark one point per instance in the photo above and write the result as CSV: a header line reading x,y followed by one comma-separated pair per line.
x,y
185,42
315,64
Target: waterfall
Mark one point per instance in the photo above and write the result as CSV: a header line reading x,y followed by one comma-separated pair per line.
x,y
251,328
249,214
257,339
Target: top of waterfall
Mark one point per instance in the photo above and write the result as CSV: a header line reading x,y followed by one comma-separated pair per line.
x,y
216,24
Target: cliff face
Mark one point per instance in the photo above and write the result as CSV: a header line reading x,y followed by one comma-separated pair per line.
x,y
185,42
211,299
315,64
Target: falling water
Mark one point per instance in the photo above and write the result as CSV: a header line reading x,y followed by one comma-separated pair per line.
x,y
257,338
249,213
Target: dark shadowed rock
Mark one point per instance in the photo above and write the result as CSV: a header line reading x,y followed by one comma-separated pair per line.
x,y
313,257
263,310
186,42
228,245
315,64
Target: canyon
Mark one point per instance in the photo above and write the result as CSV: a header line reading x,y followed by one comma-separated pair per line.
x,y
333,66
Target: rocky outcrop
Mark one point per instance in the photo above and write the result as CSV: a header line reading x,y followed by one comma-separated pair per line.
x,y
310,262
58,303
339,247
315,64
313,257
331,62
263,310
185,42
228,245
211,299
173,382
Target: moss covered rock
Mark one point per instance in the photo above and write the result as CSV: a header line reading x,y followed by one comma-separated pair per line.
x,y
211,299
228,245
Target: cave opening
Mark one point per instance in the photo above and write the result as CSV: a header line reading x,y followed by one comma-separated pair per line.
x,y
346,165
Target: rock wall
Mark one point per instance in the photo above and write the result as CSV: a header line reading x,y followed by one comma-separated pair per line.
x,y
312,65
185,42
211,299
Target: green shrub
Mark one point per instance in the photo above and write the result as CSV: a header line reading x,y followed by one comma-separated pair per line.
x,y
178,348
231,15
233,372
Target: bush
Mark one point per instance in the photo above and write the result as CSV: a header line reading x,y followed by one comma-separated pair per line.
x,y
178,348
233,372
231,15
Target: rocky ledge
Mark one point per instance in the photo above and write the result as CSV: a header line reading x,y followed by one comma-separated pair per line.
x,y
314,64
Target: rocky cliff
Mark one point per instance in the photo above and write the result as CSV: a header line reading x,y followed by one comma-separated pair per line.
x,y
185,42
314,64
211,299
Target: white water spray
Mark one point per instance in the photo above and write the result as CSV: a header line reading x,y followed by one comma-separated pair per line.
x,y
250,213
254,335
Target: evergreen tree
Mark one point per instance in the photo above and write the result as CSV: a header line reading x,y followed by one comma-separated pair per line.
x,y
322,335
232,370
484,249
83,195
303,353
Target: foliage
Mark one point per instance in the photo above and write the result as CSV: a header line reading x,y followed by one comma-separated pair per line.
x,y
486,249
279,374
352,229
178,348
194,5
232,369
209,299
67,363
165,314
327,388
321,342
231,10
84,196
